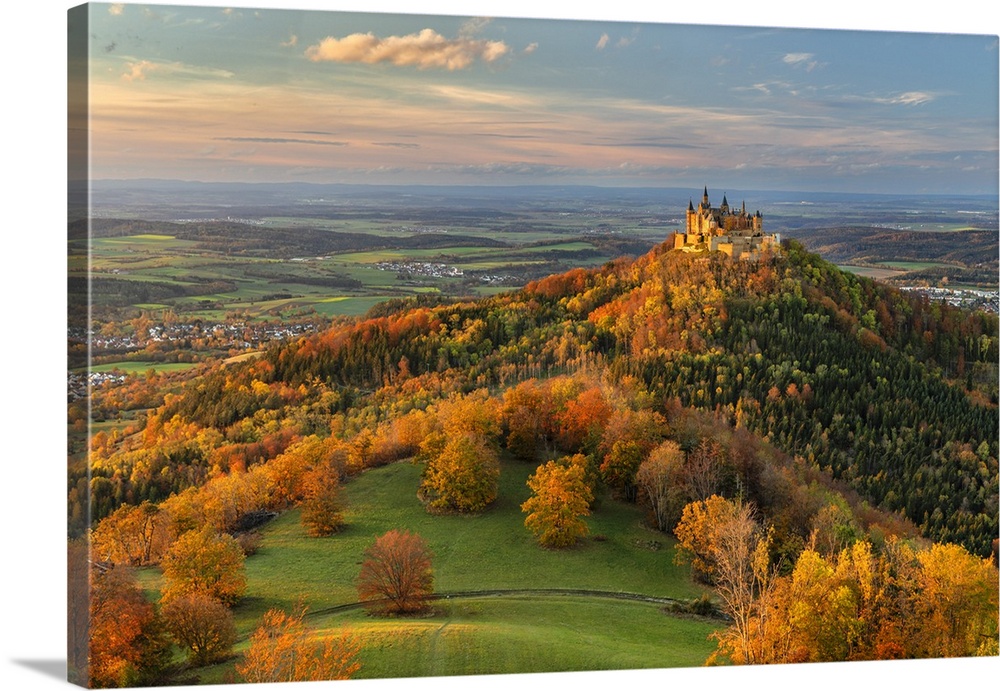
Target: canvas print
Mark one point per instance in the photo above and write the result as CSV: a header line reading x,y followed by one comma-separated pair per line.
x,y
413,346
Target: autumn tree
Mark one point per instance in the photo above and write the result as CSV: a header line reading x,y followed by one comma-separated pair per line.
x,y
477,414
396,575
463,477
524,417
707,469
834,527
283,649
322,507
581,422
697,534
863,604
659,477
133,535
287,472
127,645
559,502
202,625
957,603
203,561
628,438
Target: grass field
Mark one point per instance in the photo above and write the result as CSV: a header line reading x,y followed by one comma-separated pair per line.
x,y
871,271
493,550
507,635
143,366
913,266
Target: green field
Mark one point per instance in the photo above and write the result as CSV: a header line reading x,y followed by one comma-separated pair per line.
x,y
491,551
143,366
912,266
880,273
197,281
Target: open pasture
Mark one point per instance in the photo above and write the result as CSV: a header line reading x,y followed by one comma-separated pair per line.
x,y
492,633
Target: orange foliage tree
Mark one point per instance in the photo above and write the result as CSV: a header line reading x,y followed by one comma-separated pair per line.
x,y
524,412
127,647
202,625
283,648
396,575
203,561
581,422
559,502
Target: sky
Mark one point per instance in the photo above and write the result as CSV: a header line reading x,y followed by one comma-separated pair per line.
x,y
277,95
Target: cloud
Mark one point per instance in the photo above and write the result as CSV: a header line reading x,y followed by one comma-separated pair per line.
x,y
290,42
626,41
138,70
116,9
473,96
801,60
909,98
530,48
280,140
623,42
427,49
474,26
797,58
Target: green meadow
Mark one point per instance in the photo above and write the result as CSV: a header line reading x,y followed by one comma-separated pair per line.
x,y
143,366
494,632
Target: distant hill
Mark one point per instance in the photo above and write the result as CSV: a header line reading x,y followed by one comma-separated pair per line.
x,y
968,256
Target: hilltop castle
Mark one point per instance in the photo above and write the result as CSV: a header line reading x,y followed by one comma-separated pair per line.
x,y
733,232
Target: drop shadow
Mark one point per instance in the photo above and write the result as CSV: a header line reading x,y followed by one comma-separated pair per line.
x,y
50,668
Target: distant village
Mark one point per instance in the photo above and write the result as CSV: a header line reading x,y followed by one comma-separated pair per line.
x,y
239,335
966,298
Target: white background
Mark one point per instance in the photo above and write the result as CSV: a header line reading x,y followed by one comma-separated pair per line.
x,y
32,331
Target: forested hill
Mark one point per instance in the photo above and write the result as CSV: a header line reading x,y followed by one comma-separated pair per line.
x,y
894,395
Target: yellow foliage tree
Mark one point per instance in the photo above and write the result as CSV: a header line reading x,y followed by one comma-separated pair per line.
x,y
203,561
463,477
